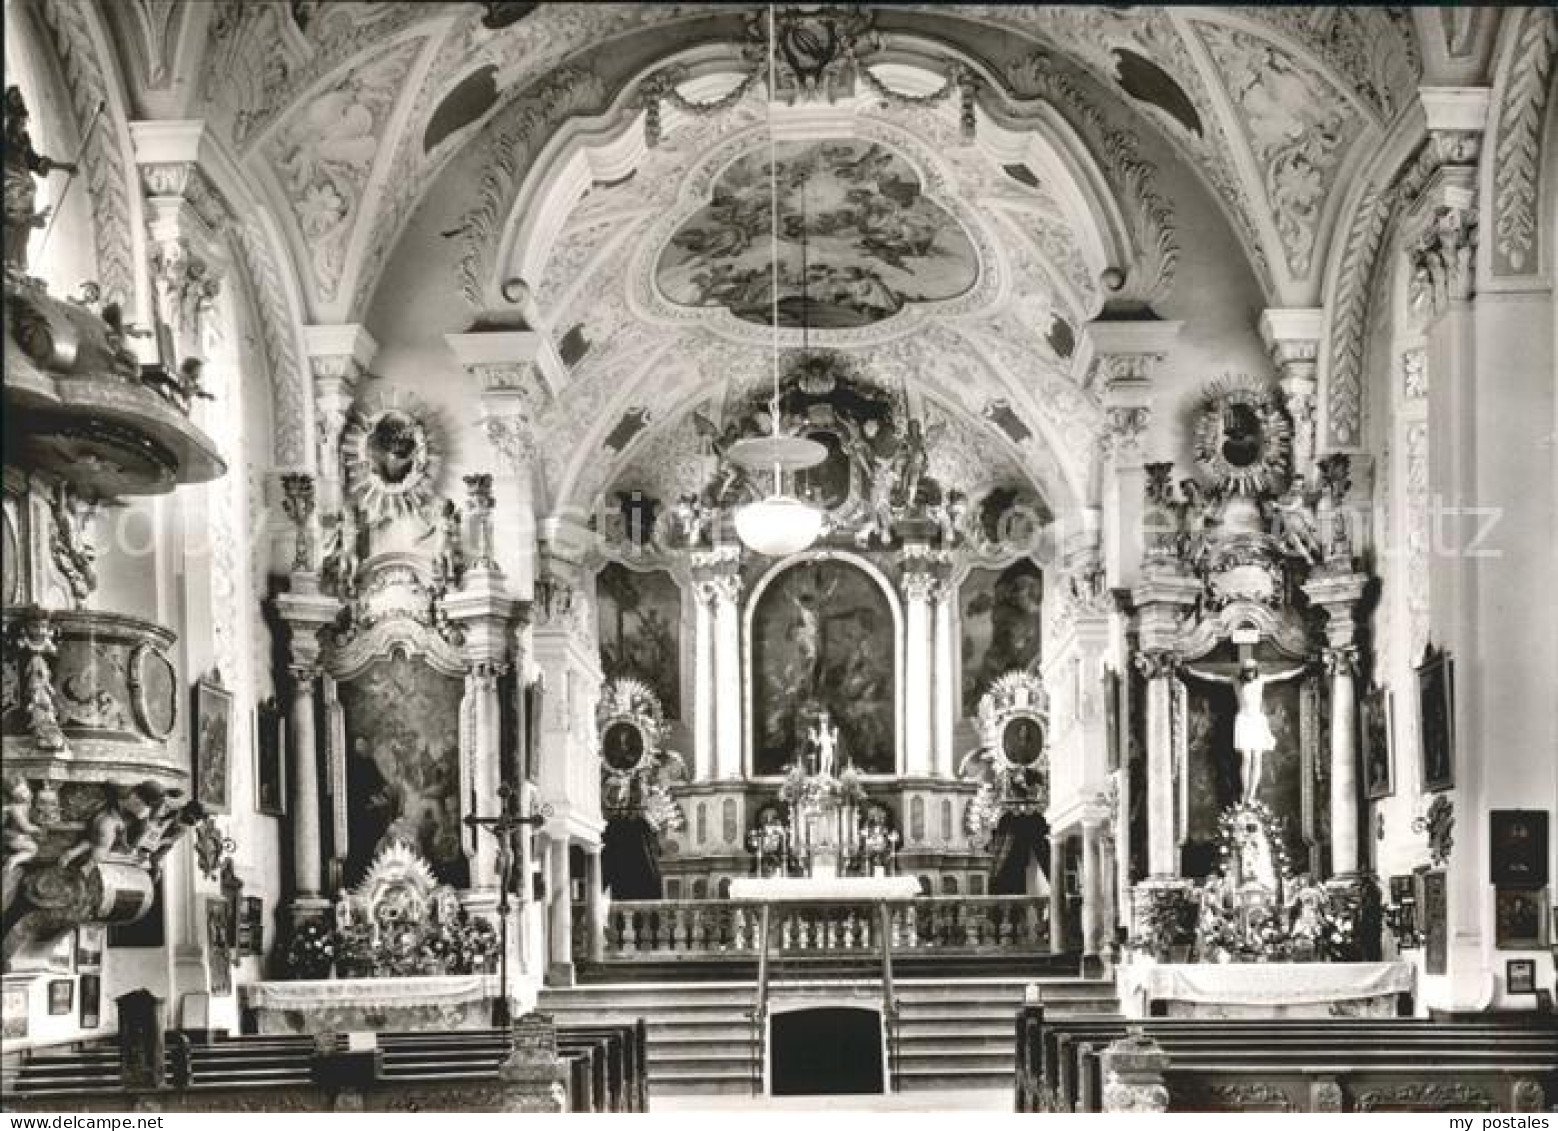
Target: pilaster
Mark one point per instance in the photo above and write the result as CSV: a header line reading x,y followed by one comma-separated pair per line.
x,y
1125,356
338,357
516,373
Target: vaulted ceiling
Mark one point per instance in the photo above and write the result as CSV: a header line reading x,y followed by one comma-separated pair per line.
x,y
613,158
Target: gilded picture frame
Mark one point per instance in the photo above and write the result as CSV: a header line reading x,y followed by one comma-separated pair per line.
x,y
211,734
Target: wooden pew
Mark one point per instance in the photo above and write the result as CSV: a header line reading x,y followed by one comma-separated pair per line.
x,y
1229,1065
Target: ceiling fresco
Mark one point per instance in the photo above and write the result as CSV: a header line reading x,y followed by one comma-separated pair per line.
x,y
858,239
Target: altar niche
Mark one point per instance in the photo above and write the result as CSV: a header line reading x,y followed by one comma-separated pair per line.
x,y
822,637
1213,782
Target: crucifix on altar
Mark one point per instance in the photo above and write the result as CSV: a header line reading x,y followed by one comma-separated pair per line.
x,y
1252,735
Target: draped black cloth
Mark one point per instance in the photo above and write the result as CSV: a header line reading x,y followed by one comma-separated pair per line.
x,y
630,859
1019,837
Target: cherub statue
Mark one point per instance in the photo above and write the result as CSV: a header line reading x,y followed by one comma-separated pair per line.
x,y
1193,510
104,832
1294,518
151,812
22,164
1252,737
126,363
951,515
21,832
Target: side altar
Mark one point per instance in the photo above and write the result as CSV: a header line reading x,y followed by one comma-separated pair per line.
x,y
1249,880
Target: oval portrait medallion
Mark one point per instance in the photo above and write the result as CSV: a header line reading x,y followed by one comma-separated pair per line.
x,y
622,746
154,692
1022,740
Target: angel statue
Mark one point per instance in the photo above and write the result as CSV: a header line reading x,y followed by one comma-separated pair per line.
x,y
1294,519
22,163
341,558
916,458
21,831
1252,737
729,476
880,462
691,519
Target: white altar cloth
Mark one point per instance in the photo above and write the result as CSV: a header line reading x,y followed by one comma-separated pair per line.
x,y
452,1001
816,889
1250,987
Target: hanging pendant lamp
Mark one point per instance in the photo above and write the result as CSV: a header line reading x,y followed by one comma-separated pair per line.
x,y
778,524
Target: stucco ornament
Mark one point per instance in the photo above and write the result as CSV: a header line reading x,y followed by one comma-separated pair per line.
x,y
1297,126
1242,437
325,155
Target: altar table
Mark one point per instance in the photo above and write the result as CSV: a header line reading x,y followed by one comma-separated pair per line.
x,y
1266,989
341,1005
824,889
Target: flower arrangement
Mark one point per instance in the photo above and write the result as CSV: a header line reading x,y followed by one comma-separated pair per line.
x,y
311,951
983,814
661,812
461,946
1169,916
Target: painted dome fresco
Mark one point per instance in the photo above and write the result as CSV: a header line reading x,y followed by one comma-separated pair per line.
x,y
858,239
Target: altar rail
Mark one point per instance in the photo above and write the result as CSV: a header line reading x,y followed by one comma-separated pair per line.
x,y
657,929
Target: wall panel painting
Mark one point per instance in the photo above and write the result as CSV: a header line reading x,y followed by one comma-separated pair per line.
x,y
403,765
823,640
1001,625
640,631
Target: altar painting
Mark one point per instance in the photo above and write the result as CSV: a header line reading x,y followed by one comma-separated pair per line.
x,y
640,631
1213,768
823,640
1001,625
403,765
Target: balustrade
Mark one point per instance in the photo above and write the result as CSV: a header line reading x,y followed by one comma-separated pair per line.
x,y
702,928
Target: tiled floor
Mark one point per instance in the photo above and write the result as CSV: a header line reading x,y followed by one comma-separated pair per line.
x,y
981,1100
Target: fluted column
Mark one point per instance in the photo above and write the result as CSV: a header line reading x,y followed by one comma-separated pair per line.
x,y
1160,668
947,692
727,676
594,904
704,693
919,586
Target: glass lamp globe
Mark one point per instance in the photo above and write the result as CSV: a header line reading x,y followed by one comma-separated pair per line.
x,y
778,525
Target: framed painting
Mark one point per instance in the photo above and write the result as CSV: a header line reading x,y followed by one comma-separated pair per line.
x,y
1520,976
91,1001
1518,915
62,997
823,643
1436,719
270,759
1115,710
640,630
1517,856
1001,614
1376,719
211,726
